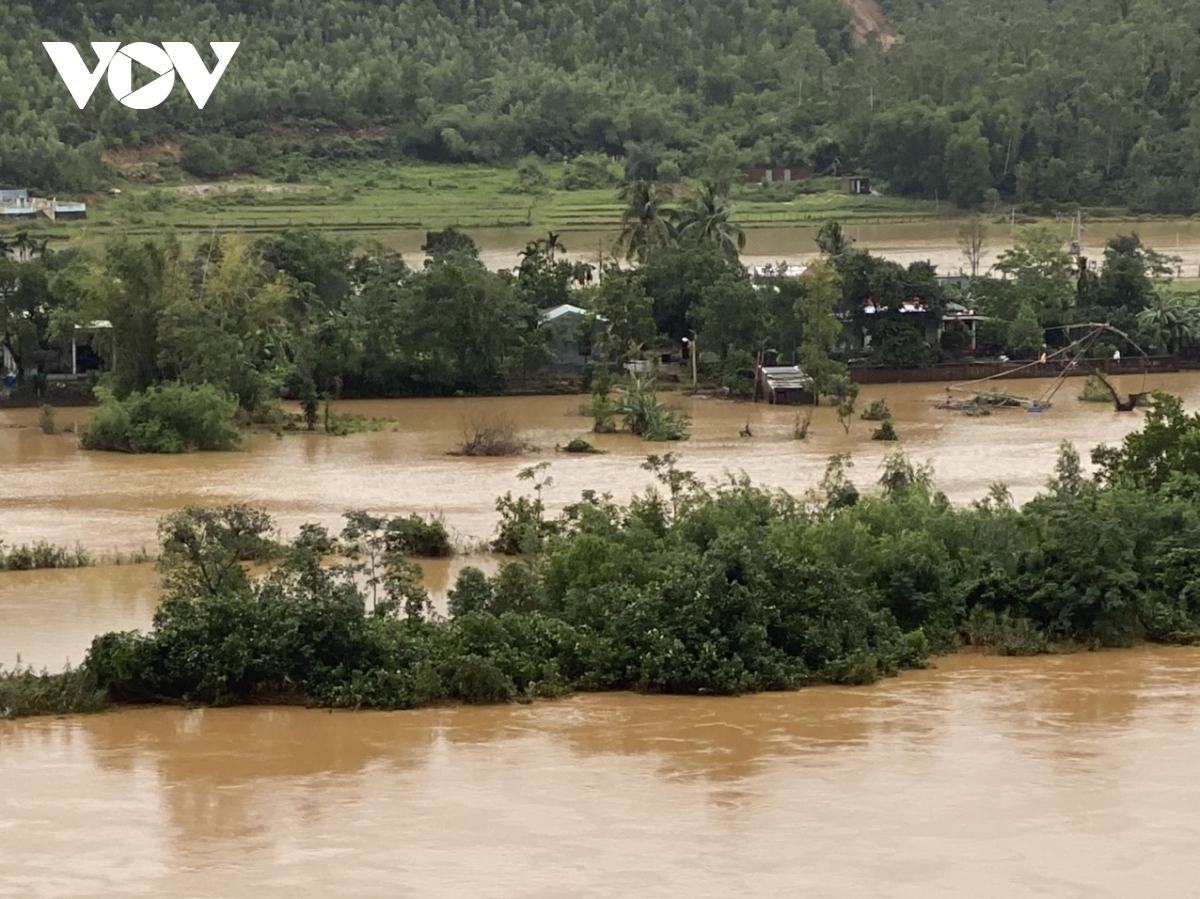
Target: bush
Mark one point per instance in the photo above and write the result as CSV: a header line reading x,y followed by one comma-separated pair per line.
x,y
885,431
498,437
200,157
42,555
25,692
877,411
46,420
172,418
1095,390
416,536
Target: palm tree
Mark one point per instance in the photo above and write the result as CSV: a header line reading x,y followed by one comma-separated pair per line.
x,y
23,245
705,220
645,223
1172,320
553,245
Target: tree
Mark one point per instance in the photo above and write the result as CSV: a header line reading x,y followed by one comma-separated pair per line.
x,y
1171,321
968,165
1127,280
705,220
27,304
448,242
1043,272
1026,335
627,316
645,223
821,328
731,317
972,238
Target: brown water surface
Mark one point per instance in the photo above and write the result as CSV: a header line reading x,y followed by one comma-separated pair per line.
x,y
932,240
110,501
1071,776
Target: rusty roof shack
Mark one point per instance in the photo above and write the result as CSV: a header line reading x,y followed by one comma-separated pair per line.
x,y
783,385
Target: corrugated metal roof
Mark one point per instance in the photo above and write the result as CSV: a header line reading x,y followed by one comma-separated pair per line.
x,y
785,377
550,315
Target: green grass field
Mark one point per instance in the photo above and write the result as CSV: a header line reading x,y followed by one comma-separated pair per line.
x,y
366,199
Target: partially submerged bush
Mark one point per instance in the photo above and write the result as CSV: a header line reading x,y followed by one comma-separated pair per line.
x,y
41,555
886,431
801,428
642,413
25,692
171,418
46,420
1095,390
420,537
877,411
497,437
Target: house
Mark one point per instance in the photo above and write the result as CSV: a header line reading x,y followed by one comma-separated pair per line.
x,y
65,212
783,385
569,339
764,174
856,186
931,328
17,206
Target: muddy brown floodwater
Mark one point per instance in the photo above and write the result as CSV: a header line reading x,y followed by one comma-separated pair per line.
x,y
932,240
1071,776
111,502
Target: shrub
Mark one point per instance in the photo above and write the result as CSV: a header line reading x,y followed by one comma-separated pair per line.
x,y
46,420
25,692
885,431
877,411
416,536
171,418
498,437
42,555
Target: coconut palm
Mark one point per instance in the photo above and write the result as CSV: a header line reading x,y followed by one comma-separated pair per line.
x,y
705,219
645,223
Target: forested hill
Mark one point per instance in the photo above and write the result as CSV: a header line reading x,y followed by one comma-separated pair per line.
x,y
1038,101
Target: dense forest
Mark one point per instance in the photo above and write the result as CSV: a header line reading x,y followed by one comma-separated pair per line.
x,y
1035,102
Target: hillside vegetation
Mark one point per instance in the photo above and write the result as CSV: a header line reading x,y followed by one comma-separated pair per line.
x,y
1042,104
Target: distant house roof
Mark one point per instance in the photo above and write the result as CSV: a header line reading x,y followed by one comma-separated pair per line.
x,y
783,270
953,311
11,196
549,315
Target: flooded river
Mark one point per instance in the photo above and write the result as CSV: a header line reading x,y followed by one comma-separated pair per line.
x,y
1063,777
1072,776
110,502
934,240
